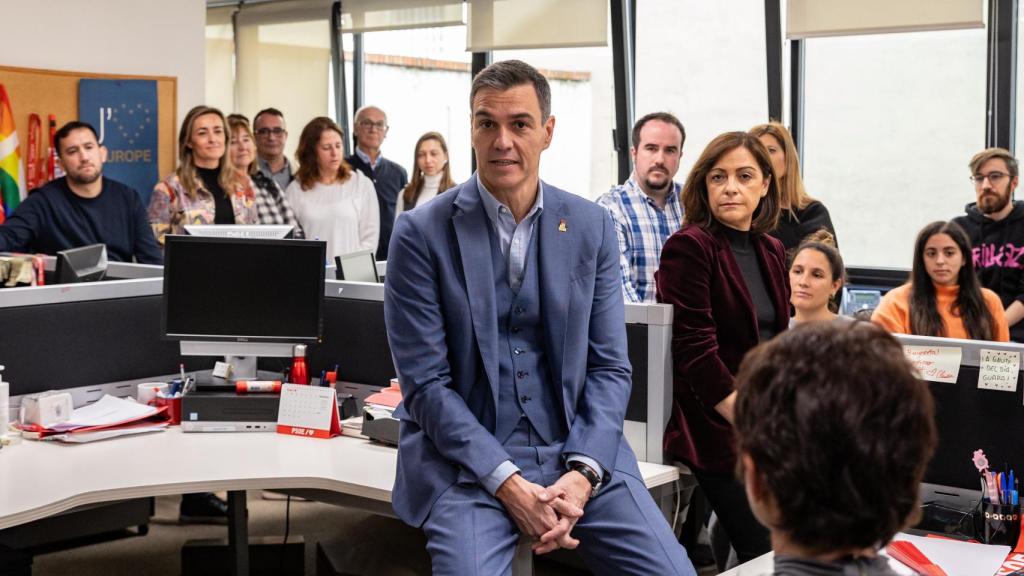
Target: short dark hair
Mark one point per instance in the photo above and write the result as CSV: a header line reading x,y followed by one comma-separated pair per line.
x,y
667,118
508,74
696,206
70,127
839,429
271,111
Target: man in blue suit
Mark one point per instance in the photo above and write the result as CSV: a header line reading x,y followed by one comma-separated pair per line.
x,y
505,319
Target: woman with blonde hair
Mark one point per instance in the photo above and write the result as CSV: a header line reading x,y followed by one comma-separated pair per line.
x,y
332,201
271,205
431,175
801,214
203,188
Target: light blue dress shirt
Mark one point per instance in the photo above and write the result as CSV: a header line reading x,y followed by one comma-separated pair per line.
x,y
366,158
514,241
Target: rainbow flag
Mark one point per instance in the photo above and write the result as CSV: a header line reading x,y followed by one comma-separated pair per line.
x,y
12,173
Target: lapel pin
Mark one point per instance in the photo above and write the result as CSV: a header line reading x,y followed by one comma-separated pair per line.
x,y
561,225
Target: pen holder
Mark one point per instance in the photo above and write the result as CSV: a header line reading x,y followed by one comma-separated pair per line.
x,y
173,408
1001,523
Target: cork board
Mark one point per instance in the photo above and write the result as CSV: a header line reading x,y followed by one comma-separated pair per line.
x,y
45,92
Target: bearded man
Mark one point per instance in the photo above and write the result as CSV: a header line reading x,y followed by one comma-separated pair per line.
x,y
995,224
82,208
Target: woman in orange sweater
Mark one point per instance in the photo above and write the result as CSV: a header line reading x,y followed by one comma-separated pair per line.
x,y
943,297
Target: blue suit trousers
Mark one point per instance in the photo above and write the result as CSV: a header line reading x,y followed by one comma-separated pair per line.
x,y
621,532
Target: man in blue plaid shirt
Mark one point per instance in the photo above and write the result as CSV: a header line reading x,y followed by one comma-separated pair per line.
x,y
646,209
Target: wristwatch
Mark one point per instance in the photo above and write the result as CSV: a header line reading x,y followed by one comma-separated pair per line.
x,y
589,474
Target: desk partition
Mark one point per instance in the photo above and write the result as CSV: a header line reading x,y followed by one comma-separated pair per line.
x,y
75,336
649,339
969,418
355,337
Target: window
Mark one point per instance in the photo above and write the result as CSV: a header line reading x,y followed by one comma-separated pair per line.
x,y
283,61
581,158
420,78
220,59
890,124
705,63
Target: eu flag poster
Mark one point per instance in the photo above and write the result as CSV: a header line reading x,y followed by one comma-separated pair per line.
x,y
124,114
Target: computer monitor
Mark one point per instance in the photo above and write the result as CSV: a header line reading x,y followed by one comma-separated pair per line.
x,y
855,300
242,298
356,267
84,264
240,230
969,418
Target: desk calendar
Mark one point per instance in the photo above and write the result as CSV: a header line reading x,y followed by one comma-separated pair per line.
x,y
310,411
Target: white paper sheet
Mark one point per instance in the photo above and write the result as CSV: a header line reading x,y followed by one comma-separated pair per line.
x,y
105,411
956,558
935,363
999,370
83,437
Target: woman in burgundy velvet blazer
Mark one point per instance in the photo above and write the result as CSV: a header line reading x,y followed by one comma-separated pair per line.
x,y
731,200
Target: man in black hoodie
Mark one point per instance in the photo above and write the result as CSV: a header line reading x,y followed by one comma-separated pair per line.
x,y
995,224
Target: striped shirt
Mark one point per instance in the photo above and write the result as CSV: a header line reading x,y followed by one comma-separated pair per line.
x,y
642,229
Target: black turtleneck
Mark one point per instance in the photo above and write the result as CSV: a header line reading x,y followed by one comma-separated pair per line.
x,y
746,258
224,212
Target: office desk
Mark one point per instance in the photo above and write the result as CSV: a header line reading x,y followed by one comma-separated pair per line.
x,y
955,557
40,479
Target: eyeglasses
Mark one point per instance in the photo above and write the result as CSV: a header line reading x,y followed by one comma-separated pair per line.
x,y
994,177
264,132
369,124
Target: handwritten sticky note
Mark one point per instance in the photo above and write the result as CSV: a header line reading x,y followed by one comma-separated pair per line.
x,y
999,370
935,363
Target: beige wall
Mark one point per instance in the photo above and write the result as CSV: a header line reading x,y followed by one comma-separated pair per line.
x,y
148,37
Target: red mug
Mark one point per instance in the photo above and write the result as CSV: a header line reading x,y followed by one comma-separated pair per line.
x,y
173,408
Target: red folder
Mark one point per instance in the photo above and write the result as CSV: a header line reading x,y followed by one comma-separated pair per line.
x,y
36,432
912,556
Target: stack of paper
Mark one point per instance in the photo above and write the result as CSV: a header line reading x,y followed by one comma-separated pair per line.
x,y
353,426
954,557
108,417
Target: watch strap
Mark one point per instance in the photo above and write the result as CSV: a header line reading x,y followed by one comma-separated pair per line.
x,y
588,473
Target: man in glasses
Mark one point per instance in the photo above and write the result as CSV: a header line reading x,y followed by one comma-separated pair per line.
x,y
389,178
271,135
995,224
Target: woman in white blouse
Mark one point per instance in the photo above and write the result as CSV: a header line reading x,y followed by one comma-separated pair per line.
x,y
332,202
431,176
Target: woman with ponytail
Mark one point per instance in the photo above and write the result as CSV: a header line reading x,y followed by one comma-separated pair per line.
x,y
816,277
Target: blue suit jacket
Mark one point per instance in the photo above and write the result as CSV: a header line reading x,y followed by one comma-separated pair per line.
x,y
439,305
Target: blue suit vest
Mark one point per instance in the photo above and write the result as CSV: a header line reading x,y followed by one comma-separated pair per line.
x,y
524,376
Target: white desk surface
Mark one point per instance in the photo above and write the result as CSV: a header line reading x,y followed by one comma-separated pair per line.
x,y
40,479
954,557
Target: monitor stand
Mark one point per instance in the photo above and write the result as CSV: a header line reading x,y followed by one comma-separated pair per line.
x,y
207,382
242,356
